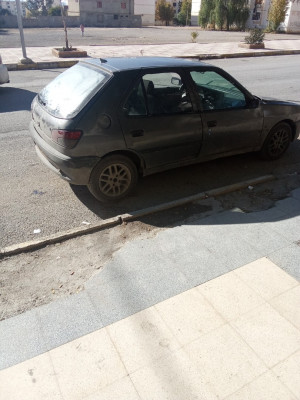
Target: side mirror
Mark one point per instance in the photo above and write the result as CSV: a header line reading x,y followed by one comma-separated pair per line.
x,y
176,81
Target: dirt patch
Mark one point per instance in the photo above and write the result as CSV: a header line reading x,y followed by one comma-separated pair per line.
x,y
32,279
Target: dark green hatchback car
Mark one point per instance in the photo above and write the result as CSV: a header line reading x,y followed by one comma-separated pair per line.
x,y
104,123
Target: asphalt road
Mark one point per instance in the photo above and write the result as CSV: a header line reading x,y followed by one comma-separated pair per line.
x,y
32,197
114,36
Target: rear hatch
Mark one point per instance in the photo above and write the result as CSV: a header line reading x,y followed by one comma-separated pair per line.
x,y
56,107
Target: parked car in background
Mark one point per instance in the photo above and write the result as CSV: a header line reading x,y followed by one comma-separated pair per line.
x,y
4,77
104,123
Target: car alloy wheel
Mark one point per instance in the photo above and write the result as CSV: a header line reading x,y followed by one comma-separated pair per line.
x,y
277,141
113,178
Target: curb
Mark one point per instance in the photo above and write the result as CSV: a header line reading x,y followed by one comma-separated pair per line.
x,y
70,63
41,65
118,220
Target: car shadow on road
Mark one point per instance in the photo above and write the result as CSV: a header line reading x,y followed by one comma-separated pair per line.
x,y
8,96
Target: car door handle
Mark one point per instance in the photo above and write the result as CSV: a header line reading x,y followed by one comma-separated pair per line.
x,y
137,133
211,124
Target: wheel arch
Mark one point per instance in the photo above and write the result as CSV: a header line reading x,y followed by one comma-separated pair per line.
x,y
139,163
291,124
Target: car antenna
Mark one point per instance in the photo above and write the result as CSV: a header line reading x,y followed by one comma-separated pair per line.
x,y
103,60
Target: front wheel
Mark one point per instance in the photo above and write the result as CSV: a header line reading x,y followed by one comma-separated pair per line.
x,y
113,178
277,142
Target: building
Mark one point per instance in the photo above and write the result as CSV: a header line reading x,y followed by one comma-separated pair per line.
x,y
11,6
108,13
146,9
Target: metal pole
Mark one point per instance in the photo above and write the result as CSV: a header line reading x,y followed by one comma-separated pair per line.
x,y
25,59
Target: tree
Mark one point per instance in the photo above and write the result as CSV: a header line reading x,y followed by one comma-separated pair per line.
x,y
53,11
277,13
205,13
4,11
222,13
164,11
184,16
38,7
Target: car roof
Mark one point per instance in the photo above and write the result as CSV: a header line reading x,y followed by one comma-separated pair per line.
x,y
116,64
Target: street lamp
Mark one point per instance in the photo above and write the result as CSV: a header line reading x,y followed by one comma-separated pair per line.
x,y
25,59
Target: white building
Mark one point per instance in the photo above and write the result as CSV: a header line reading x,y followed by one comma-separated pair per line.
x,y
11,6
145,8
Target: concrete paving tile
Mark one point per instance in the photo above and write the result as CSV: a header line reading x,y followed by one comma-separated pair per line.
x,y
68,319
142,338
20,339
266,387
289,205
226,245
288,259
172,378
296,194
270,335
189,315
86,365
268,216
122,389
265,278
289,227
288,372
33,379
224,361
288,305
230,296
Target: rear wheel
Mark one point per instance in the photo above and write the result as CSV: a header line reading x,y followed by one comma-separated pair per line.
x,y
277,141
113,178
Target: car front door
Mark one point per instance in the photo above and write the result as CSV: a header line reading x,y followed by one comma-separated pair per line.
x,y
232,120
159,121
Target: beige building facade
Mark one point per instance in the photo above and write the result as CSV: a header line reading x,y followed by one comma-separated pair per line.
x,y
109,13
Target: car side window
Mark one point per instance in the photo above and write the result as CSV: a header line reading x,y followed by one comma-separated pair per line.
x,y
166,94
135,103
217,92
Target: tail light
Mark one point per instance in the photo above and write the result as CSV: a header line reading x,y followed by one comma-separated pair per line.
x,y
66,138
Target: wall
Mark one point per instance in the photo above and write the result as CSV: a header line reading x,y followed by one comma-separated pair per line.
x,y
41,22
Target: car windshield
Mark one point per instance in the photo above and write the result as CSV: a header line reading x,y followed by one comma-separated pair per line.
x,y
68,93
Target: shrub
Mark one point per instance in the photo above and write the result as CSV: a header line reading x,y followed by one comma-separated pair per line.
x,y
194,36
255,36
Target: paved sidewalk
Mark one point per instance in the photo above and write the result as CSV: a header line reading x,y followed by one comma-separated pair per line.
x,y
206,310
42,56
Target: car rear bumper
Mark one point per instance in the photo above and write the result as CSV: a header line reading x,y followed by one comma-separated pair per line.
x,y
76,170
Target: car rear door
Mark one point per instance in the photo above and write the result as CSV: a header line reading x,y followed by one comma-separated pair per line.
x,y
160,122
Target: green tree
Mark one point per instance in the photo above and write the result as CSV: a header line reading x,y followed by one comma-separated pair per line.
x,y
4,11
164,11
277,13
38,7
54,11
205,13
227,13
184,16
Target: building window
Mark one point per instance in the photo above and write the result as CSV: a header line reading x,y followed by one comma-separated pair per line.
x,y
123,5
99,4
116,16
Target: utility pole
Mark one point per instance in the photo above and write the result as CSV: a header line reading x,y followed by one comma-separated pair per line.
x,y
25,59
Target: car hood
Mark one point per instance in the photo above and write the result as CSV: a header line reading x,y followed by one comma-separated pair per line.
x,y
271,101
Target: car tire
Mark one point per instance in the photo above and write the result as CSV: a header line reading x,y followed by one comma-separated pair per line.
x,y
113,178
277,142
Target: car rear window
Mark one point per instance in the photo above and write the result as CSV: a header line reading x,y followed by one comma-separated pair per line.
x,y
70,91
